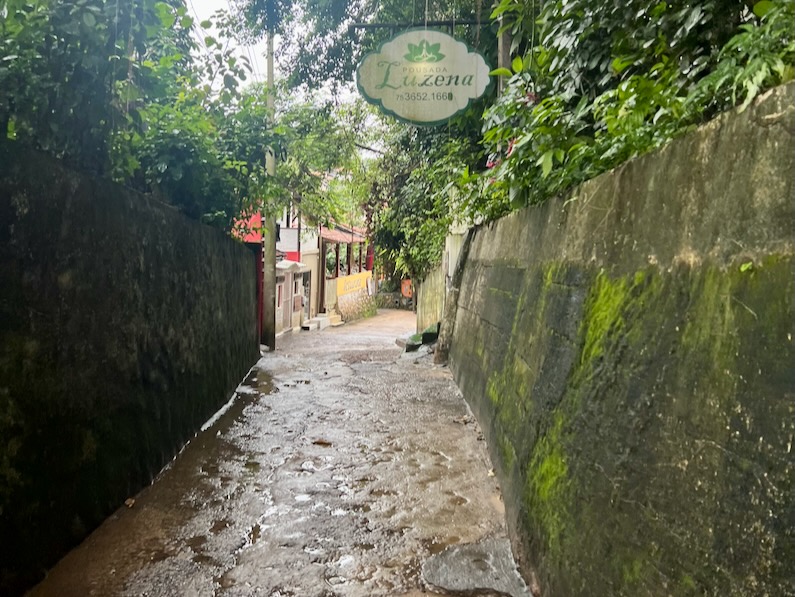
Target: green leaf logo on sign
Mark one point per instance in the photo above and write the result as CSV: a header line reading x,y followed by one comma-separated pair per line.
x,y
424,52
423,77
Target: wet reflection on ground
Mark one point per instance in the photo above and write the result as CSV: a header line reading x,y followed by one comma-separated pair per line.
x,y
341,468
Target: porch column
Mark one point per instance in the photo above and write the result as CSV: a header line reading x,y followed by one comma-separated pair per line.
x,y
321,308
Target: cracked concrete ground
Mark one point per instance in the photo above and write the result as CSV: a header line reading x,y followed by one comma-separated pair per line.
x,y
341,468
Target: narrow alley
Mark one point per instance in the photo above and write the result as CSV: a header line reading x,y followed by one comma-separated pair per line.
x,y
342,467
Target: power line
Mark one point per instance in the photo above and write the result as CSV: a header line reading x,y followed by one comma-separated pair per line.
x,y
251,56
198,24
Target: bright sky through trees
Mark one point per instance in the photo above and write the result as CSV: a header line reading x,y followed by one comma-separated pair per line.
x,y
205,9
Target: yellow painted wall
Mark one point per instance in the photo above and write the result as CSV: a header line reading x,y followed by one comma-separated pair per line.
x,y
353,283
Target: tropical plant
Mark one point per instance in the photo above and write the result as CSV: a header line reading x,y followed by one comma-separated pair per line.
x,y
758,57
125,90
413,201
62,64
317,158
597,83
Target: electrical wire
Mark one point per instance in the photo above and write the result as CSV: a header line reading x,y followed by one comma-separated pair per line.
x,y
198,23
252,61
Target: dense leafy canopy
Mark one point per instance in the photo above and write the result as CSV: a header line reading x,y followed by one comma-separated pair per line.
x,y
595,83
319,161
322,44
412,202
131,91
121,89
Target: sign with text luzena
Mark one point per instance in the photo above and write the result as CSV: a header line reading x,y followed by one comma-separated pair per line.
x,y
423,76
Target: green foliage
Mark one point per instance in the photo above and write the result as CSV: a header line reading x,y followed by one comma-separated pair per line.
x,y
179,159
193,137
123,90
760,56
598,83
61,64
318,159
413,202
260,16
319,49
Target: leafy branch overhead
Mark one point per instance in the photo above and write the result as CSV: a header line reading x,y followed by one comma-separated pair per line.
x,y
142,93
593,84
320,45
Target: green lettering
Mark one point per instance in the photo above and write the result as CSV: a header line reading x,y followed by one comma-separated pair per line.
x,y
385,82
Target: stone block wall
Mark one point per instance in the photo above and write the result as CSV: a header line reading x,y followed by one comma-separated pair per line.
x,y
628,350
123,327
357,305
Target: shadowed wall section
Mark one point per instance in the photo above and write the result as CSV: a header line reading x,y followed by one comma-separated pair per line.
x,y
123,327
628,350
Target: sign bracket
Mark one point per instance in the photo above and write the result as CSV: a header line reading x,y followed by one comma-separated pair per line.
x,y
449,24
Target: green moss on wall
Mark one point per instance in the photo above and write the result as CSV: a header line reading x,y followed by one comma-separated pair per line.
x,y
633,443
546,497
602,316
632,369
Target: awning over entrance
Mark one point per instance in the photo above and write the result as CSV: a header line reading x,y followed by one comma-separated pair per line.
x,y
340,236
294,267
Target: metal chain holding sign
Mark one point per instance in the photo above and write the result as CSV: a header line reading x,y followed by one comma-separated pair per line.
x,y
477,18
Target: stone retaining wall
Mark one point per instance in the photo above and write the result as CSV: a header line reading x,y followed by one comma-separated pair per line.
x,y
628,350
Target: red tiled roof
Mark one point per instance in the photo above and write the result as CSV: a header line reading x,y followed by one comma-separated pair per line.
x,y
338,236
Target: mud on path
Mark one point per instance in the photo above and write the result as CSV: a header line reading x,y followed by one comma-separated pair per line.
x,y
341,468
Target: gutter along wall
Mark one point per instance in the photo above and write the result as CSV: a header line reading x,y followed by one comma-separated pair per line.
x,y
628,350
123,327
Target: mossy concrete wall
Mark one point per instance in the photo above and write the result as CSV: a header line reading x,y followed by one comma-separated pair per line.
x,y
123,327
433,290
430,298
628,350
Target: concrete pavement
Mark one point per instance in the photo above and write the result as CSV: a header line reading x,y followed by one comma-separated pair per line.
x,y
342,467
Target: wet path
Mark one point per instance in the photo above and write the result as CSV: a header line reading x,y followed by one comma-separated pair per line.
x,y
342,468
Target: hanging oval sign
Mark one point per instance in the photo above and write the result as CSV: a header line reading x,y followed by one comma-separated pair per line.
x,y
423,77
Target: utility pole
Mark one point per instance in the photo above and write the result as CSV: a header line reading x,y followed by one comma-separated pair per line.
x,y
503,56
269,229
